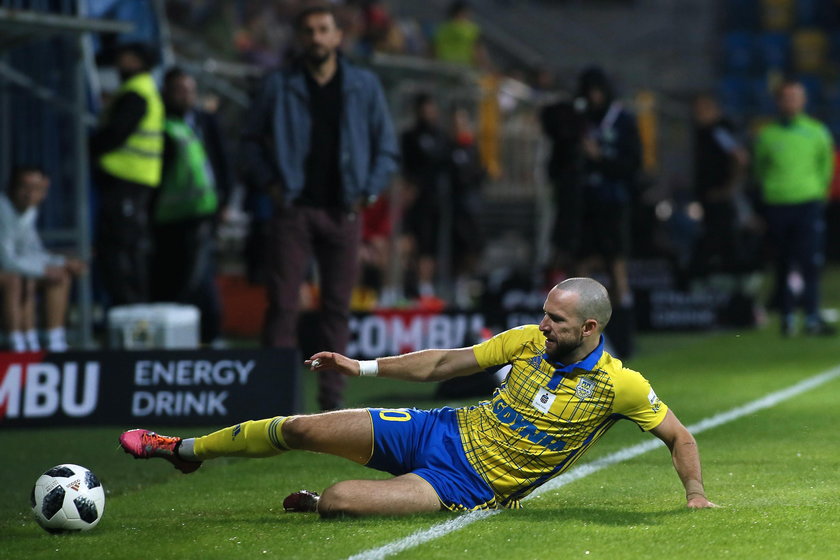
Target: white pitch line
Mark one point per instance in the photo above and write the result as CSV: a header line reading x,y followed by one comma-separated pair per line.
x,y
442,529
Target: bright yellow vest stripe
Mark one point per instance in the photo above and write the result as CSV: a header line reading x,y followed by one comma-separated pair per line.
x,y
140,159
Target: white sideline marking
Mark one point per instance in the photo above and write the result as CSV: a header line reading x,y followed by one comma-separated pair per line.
x,y
458,523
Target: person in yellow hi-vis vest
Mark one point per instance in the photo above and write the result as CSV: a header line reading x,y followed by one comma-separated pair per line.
x,y
128,152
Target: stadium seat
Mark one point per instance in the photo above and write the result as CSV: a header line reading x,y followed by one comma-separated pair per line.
x,y
831,96
742,15
810,50
808,12
777,15
762,100
813,85
738,51
734,94
774,50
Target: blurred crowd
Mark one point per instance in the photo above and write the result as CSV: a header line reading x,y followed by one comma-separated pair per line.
x,y
261,33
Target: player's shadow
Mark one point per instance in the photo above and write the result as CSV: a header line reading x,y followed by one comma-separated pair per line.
x,y
595,515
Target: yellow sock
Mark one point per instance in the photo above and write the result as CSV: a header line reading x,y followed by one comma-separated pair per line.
x,y
254,438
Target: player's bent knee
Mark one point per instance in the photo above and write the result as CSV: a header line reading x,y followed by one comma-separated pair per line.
x,y
339,499
295,431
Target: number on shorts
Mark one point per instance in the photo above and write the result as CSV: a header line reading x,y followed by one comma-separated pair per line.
x,y
395,415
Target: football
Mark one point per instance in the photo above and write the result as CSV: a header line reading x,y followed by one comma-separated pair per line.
x,y
68,498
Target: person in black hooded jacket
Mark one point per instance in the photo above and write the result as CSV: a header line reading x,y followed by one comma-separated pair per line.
x,y
612,161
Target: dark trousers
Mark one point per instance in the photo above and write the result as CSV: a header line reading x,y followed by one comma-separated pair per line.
x,y
332,237
718,249
568,220
184,269
796,231
123,240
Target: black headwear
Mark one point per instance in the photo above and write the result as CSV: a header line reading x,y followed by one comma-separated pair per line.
x,y
594,77
143,51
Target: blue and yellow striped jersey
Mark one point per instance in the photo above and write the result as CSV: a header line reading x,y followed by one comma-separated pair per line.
x,y
546,415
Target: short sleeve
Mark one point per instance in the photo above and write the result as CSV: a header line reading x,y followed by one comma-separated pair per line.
x,y
502,348
636,400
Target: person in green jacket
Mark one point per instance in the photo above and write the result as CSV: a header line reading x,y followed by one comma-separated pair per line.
x,y
195,182
794,163
458,39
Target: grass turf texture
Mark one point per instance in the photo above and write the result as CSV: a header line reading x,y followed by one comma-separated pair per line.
x,y
776,472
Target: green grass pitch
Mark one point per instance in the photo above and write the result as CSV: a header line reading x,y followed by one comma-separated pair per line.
x,y
776,474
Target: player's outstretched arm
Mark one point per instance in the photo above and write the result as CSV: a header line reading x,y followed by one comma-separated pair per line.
x,y
425,365
686,459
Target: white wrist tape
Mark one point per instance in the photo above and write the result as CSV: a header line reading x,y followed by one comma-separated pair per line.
x,y
368,368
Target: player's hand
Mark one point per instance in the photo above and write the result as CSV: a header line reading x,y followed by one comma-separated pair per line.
x,y
592,149
333,361
75,267
54,273
699,502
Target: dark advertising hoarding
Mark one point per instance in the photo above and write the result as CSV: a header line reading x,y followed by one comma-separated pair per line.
x,y
173,387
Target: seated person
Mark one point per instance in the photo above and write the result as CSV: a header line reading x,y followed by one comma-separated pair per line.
x,y
25,266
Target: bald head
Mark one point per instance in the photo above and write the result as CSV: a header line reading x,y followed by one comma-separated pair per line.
x,y
593,299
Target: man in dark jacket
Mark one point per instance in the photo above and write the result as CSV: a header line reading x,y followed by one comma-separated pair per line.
x,y
320,141
425,152
612,160
720,163
564,124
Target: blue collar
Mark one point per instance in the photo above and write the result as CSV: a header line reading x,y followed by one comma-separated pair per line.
x,y
588,363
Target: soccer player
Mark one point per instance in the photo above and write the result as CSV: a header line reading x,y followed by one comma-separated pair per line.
x,y
561,395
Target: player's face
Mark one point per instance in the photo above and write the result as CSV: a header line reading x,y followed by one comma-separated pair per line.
x,y
561,325
319,37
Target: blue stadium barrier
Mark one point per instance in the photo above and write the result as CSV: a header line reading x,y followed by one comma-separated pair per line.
x,y
774,50
742,14
762,97
813,85
831,96
808,12
834,44
733,91
738,51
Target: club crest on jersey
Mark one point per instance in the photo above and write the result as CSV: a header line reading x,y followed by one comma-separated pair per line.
x,y
655,403
585,388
